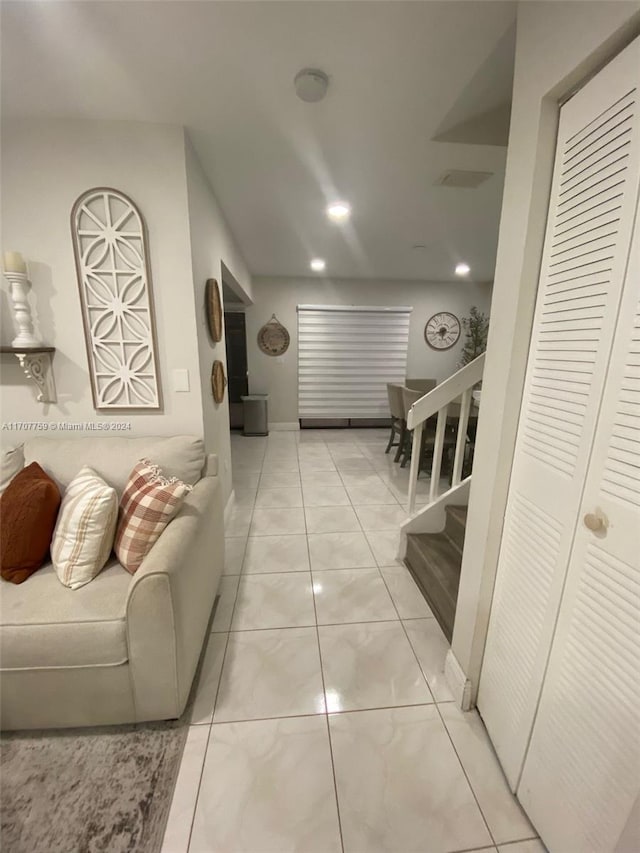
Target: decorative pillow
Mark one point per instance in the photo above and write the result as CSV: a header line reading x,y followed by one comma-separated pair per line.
x,y
28,510
83,538
12,463
148,504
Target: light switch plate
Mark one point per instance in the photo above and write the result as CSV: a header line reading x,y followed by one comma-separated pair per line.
x,y
180,379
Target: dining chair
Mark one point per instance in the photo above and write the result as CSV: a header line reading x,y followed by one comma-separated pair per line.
x,y
424,385
398,422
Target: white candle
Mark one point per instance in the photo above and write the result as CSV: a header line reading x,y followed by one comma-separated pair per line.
x,y
14,262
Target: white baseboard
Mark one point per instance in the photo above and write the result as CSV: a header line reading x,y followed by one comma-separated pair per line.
x,y
292,426
458,682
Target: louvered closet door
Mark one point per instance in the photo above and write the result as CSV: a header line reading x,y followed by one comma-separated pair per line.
x,y
585,748
586,251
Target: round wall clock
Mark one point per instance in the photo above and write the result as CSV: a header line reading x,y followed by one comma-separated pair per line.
x,y
214,309
218,381
273,338
442,330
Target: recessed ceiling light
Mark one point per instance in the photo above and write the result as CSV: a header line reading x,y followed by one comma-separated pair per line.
x,y
339,211
318,265
463,269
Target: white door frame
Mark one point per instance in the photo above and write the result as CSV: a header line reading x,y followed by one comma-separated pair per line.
x,y
527,191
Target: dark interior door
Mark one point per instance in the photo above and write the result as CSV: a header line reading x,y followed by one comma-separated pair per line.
x,y
236,343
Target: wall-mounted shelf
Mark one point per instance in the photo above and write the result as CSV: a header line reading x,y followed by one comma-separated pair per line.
x,y
37,365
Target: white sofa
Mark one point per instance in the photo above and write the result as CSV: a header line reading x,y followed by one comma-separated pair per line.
x,y
124,648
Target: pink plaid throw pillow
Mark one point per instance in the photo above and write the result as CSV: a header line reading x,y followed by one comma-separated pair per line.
x,y
148,504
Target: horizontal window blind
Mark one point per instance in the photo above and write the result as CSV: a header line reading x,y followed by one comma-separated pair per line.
x,y
346,356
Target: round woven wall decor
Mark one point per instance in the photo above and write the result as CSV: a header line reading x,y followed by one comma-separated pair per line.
x,y
218,381
273,338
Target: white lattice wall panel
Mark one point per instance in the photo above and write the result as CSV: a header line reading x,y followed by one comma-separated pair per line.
x,y
117,307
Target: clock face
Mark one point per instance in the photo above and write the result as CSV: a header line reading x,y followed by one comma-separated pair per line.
x,y
442,330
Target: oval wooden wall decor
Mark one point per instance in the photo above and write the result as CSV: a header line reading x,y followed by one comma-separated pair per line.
x,y
114,280
218,381
273,338
214,309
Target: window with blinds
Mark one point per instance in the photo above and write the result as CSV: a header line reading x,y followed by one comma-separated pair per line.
x,y
346,356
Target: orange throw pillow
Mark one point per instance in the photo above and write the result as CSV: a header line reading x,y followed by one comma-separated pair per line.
x,y
28,511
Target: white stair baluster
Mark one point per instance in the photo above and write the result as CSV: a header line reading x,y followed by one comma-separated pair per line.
x,y
437,453
461,440
414,470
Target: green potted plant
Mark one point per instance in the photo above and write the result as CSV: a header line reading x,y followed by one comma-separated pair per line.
x,y
476,328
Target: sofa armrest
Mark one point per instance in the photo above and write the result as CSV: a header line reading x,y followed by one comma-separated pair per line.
x,y
169,603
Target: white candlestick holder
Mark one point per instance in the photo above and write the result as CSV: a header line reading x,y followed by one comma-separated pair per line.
x,y
19,290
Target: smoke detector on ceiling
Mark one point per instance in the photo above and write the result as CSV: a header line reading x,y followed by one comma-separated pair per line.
x,y
311,85
462,179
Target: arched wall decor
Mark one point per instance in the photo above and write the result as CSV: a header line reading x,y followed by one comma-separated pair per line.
x,y
112,264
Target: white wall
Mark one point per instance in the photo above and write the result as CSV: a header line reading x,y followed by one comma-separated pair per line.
x,y
278,376
211,245
46,165
558,45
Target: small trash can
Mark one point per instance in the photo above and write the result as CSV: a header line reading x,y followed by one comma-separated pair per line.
x,y
256,421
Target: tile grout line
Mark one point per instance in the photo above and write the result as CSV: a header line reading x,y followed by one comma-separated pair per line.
x,y
364,533
430,691
322,624
317,626
324,691
466,776
441,718
384,580
329,714
215,701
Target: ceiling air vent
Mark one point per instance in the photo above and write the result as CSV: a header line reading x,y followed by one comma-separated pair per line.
x,y
462,179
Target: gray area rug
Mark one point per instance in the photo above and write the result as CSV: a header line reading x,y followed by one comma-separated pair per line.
x,y
96,790
89,790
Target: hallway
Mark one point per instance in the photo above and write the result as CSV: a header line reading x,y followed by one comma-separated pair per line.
x,y
322,720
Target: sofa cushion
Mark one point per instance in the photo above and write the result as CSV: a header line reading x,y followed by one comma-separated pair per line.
x,y
86,526
149,502
113,456
46,625
12,463
28,510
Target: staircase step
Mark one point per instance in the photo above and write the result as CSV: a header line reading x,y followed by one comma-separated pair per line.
x,y
434,561
456,524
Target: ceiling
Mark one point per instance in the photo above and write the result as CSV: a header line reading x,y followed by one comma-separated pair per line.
x,y
416,88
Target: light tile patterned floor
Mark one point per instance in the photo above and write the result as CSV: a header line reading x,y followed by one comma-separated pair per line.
x,y
323,721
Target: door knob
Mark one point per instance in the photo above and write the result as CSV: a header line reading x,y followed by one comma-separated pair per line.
x,y
596,522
